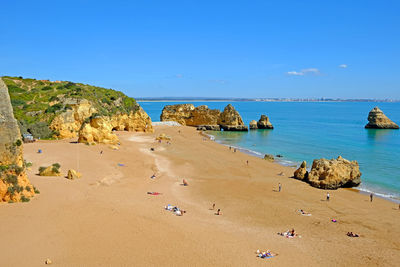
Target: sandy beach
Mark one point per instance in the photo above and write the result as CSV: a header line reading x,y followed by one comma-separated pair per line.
x,y
106,218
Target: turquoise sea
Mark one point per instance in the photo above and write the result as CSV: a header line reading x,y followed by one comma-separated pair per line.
x,y
311,130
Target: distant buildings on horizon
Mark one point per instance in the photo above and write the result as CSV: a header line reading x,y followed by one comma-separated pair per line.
x,y
263,99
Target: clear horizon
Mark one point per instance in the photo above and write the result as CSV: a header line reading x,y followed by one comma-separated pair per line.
x,y
341,49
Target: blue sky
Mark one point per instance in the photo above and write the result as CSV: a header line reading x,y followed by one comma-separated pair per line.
x,y
346,49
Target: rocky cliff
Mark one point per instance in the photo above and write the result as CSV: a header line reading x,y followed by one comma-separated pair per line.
x,y
58,109
14,184
378,120
330,174
68,123
187,114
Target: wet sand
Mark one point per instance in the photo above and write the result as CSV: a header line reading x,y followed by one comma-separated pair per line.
x,y
106,218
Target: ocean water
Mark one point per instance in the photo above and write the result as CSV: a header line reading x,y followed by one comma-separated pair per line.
x,y
312,130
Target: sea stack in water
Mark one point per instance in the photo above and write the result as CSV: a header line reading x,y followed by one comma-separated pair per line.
x,y
253,125
332,174
264,123
378,120
230,120
14,184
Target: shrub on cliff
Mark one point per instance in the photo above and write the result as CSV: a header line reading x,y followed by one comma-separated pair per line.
x,y
36,116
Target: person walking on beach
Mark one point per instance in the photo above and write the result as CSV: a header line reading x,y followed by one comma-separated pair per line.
x,y
213,206
234,150
371,196
230,148
247,162
327,197
279,187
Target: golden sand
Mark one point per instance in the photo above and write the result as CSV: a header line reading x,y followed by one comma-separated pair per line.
x,y
106,218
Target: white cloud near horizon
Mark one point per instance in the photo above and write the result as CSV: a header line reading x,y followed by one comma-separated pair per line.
x,y
303,72
343,66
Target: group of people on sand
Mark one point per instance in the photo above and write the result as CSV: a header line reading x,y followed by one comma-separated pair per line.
x,y
289,233
302,212
351,234
265,254
177,211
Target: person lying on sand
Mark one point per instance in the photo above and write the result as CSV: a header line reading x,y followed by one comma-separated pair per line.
x,y
184,182
351,234
304,213
154,193
153,176
218,212
265,254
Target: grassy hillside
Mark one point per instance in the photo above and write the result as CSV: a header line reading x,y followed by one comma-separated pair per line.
x,y
37,102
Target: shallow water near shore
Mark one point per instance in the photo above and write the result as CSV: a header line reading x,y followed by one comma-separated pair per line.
x,y
311,130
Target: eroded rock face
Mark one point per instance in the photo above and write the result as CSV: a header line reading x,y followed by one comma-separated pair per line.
x,y
137,121
253,125
378,120
264,123
334,173
301,173
68,123
98,130
14,184
179,113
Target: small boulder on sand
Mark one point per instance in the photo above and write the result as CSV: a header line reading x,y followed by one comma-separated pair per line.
x,y
72,174
53,170
269,157
163,136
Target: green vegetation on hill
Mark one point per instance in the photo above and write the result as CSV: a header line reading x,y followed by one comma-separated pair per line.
x,y
37,102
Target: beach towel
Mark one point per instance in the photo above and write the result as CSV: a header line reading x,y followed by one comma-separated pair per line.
x,y
120,164
154,193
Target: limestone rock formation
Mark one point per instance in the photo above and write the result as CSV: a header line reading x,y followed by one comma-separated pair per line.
x,y
68,123
179,113
72,174
98,130
378,120
301,173
264,123
187,114
334,173
253,125
14,184
230,120
137,121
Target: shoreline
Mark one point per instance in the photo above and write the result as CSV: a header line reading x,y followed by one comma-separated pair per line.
x,y
387,196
